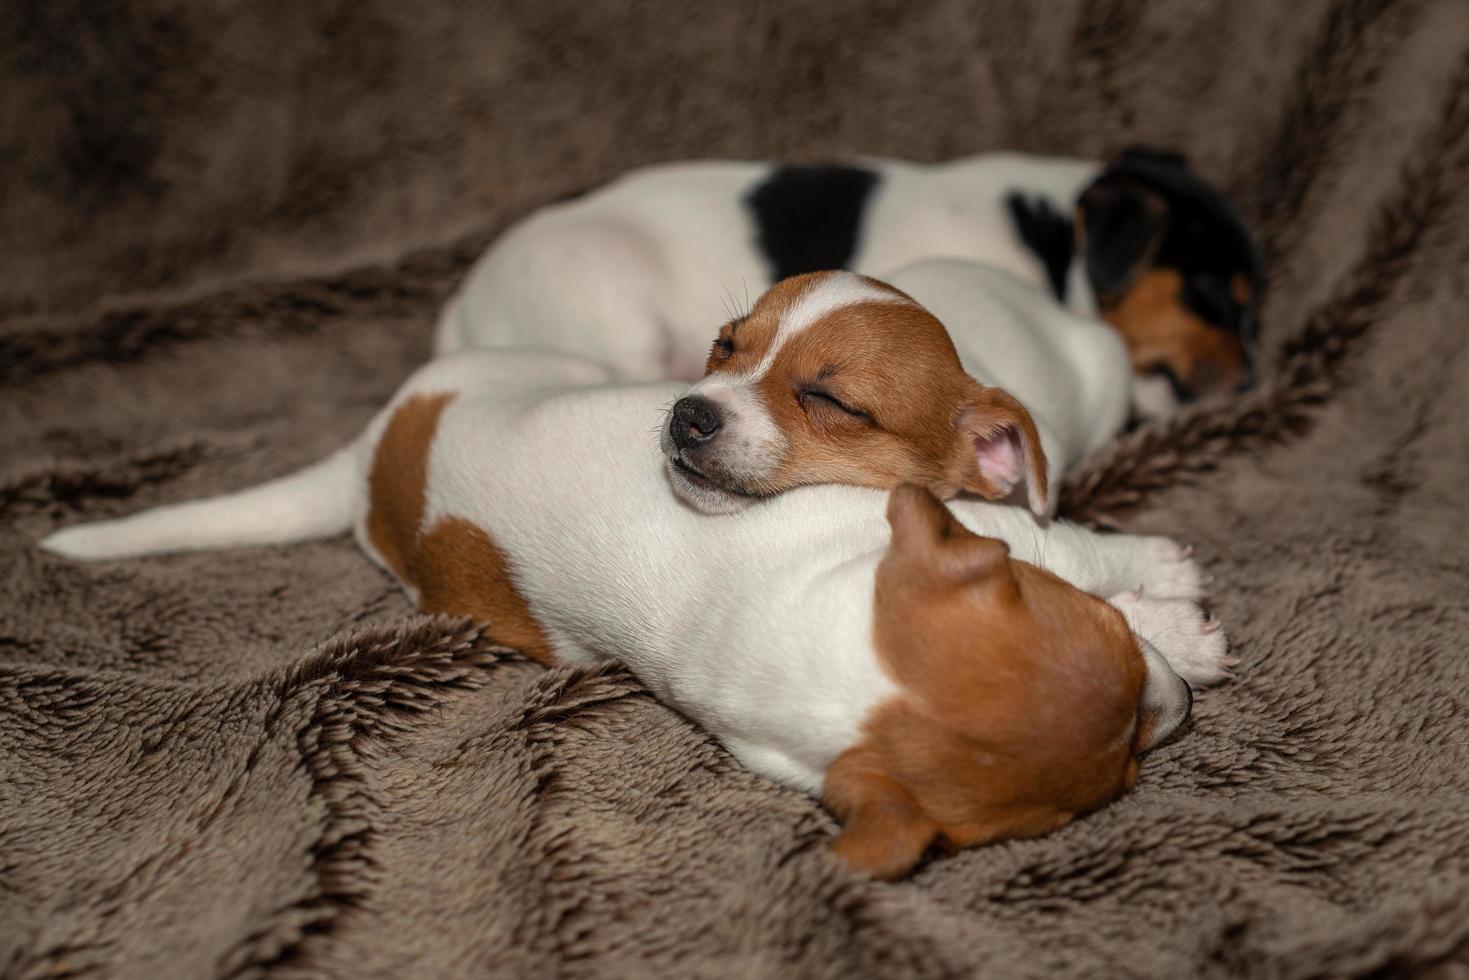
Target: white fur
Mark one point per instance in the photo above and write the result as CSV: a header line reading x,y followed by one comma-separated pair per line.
x,y
659,255
757,625
1189,640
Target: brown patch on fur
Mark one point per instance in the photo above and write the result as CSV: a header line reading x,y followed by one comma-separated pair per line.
x,y
398,478
454,566
873,394
1020,699
461,570
1161,331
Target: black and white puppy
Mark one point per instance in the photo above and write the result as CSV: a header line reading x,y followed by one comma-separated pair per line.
x,y
634,273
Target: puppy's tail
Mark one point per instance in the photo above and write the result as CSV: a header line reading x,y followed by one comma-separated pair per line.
x,y
315,502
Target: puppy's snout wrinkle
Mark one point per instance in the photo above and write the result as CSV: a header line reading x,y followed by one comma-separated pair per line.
x,y
695,421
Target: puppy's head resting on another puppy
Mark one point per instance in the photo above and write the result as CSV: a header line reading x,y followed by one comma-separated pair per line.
x,y
837,378
1024,701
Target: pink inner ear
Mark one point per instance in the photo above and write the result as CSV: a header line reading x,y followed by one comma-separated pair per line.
x,y
1001,457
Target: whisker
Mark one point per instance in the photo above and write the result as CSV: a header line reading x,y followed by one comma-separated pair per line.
x,y
729,302
657,430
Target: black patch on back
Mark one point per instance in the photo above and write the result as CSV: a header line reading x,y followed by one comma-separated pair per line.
x,y
1046,232
809,218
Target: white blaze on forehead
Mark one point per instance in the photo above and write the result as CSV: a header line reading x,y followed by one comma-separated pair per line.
x,y
752,445
827,295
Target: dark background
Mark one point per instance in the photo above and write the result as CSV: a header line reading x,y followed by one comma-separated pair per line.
x,y
156,142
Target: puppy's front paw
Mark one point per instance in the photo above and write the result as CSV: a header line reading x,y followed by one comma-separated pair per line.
x,y
1169,571
1192,643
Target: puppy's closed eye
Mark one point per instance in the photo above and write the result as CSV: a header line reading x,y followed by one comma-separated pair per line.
x,y
724,345
820,403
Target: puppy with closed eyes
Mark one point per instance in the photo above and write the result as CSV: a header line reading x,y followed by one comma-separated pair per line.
x,y
954,375
937,676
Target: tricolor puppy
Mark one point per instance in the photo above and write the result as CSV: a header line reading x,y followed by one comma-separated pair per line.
x,y
936,677
833,377
631,273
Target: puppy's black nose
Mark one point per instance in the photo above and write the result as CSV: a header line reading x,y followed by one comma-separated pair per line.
x,y
695,421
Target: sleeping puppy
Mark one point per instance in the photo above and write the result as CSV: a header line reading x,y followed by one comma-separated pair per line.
x,y
937,677
630,273
833,377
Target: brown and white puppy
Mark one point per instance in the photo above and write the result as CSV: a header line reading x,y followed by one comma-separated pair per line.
x,y
837,378
916,673
956,758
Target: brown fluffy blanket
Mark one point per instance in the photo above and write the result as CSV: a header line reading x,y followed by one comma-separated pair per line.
x,y
224,237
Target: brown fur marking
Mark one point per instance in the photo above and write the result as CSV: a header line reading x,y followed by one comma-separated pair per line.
x,y
461,570
1160,330
455,566
1020,700
396,484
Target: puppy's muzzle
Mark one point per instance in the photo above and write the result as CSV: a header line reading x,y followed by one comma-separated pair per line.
x,y
720,447
694,422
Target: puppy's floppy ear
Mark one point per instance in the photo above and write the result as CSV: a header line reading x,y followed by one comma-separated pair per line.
x,y
884,833
1123,222
927,532
996,446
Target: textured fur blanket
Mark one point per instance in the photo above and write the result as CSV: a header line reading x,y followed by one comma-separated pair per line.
x,y
225,231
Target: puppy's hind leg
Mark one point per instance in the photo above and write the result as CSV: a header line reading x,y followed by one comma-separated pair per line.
x,y
1167,569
